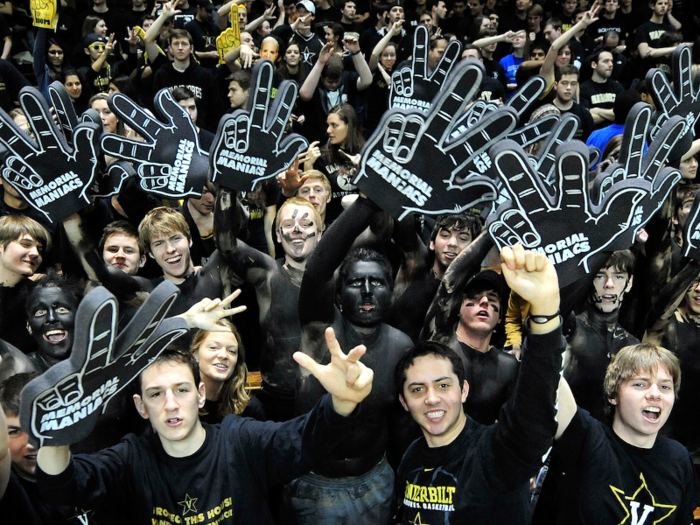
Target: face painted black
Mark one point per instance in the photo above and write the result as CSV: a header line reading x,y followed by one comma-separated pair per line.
x,y
51,316
365,294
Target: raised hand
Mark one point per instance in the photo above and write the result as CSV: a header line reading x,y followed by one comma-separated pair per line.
x,y
170,162
208,312
691,231
51,176
683,99
532,276
568,224
248,146
61,406
422,163
415,87
345,377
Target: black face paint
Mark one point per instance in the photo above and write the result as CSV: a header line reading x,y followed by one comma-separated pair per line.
x,y
294,214
288,237
303,216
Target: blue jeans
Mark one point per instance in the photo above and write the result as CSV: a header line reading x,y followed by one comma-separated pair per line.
x,y
366,499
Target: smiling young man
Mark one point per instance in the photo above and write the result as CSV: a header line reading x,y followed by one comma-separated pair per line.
x,y
462,471
188,472
22,243
625,472
422,267
317,190
595,335
121,247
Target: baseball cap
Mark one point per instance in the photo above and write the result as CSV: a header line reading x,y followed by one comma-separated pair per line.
x,y
93,38
488,279
308,5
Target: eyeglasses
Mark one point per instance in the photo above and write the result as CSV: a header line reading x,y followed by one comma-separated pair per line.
x,y
96,46
537,55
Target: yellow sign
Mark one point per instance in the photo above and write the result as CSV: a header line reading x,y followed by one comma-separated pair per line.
x,y
231,37
44,13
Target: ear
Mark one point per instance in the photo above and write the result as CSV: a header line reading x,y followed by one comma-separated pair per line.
x,y
151,255
403,402
140,408
613,401
465,391
201,394
142,261
87,51
319,234
432,246
279,237
629,284
190,245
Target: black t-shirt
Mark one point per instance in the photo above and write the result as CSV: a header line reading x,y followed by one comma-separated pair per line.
x,y
597,478
650,33
310,46
483,476
204,39
600,95
587,125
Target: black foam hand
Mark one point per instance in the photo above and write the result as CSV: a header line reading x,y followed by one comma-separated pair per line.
x,y
48,173
61,406
170,162
561,222
682,100
248,146
646,169
414,86
691,231
415,162
64,108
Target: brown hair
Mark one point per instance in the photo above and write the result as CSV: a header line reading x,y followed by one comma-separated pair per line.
x,y
13,227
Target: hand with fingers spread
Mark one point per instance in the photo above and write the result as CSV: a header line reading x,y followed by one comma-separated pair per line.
x,y
683,99
292,179
248,146
169,162
345,377
568,224
416,86
207,312
691,231
61,406
422,163
49,174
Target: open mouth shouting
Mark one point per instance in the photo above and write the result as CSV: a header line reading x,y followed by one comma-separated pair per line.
x,y
173,421
55,336
652,414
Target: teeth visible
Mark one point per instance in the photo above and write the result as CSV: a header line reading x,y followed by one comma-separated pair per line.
x,y
436,414
55,332
174,259
652,409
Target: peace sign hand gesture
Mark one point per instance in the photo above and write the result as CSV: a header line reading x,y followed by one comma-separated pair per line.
x,y
415,87
61,406
51,176
248,146
345,377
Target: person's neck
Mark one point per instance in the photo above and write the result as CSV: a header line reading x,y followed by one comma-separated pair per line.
x,y
379,25
479,342
304,31
486,55
14,202
626,10
294,263
345,20
521,16
188,446
564,106
518,53
100,8
608,16
139,9
179,280
438,269
293,70
639,441
8,278
657,19
212,388
595,77
181,64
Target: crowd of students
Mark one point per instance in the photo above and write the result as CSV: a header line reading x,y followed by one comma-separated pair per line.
x,y
463,411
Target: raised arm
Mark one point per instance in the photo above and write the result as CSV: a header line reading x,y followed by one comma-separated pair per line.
x,y
444,311
307,89
527,425
394,30
151,37
352,45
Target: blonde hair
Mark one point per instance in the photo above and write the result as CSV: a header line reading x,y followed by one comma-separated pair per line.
x,y
636,359
160,222
234,396
298,201
318,175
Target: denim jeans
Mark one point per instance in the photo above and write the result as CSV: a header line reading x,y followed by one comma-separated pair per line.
x,y
365,499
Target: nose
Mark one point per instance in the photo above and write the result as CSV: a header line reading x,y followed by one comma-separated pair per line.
x,y
33,252
431,397
366,288
170,402
654,392
609,283
51,316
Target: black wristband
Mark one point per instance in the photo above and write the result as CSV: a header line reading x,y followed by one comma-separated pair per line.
x,y
542,319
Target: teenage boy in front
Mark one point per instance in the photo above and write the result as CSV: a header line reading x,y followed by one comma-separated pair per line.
x,y
189,472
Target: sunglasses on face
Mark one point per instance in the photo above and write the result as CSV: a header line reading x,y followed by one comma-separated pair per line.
x,y
96,46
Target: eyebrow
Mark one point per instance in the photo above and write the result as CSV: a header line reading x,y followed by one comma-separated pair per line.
x,y
160,387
